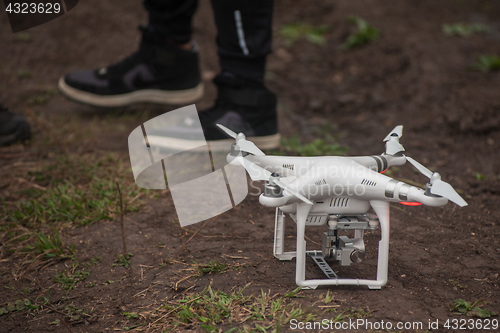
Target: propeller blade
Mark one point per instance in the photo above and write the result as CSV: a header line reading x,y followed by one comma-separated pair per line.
x,y
442,188
393,146
295,193
245,145
438,186
249,147
255,171
423,170
227,131
398,130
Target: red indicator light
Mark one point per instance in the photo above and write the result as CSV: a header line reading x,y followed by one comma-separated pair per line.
x,y
410,203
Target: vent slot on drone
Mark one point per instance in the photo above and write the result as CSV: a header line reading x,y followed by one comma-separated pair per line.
x,y
339,202
316,219
320,182
288,166
368,182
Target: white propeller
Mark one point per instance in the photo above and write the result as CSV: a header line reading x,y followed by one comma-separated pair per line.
x,y
227,130
392,145
256,172
438,186
242,142
295,193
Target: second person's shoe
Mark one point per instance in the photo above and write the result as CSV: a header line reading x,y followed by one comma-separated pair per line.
x,y
13,127
159,72
241,106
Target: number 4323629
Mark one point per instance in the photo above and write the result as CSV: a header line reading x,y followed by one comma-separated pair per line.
x,y
33,8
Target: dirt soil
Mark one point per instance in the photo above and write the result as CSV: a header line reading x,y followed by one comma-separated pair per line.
x,y
413,75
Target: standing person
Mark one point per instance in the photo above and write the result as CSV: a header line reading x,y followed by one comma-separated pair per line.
x,y
165,69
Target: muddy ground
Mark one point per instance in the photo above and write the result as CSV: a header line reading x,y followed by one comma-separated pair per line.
x,y
414,75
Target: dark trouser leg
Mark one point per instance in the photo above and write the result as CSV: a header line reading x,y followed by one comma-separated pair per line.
x,y
172,18
244,36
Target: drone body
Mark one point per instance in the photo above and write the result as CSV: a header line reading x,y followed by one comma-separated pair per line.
x,y
337,192
335,176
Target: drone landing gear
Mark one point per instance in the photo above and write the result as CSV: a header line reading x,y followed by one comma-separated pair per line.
x,y
381,208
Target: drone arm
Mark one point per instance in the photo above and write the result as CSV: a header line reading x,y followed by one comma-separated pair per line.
x,y
418,195
379,163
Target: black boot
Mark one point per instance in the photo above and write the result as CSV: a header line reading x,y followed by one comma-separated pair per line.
x,y
159,72
242,106
13,127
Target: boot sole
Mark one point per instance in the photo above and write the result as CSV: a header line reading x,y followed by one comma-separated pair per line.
x,y
160,142
172,97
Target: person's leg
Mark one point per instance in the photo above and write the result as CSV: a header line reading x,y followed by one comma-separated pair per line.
x,y
162,71
244,36
172,18
243,103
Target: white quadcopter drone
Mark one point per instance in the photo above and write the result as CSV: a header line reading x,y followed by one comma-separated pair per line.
x,y
337,192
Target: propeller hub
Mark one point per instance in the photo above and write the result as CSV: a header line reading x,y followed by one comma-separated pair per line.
x,y
392,145
240,137
428,189
274,176
435,176
273,191
235,150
